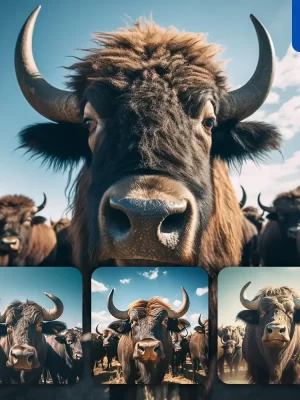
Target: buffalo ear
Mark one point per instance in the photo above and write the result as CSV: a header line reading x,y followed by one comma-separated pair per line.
x,y
120,326
177,325
236,142
38,220
59,145
53,327
272,216
3,330
297,317
249,316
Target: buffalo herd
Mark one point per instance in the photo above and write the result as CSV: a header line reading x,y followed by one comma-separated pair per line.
x,y
150,339
151,119
267,347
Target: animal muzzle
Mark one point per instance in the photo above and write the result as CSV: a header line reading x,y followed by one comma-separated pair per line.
x,y
10,244
148,350
23,357
275,335
176,347
78,356
153,218
293,232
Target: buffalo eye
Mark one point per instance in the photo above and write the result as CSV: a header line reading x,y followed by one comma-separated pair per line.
x,y
39,328
69,341
90,124
165,322
208,123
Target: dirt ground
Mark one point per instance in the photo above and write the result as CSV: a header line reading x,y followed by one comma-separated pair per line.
x,y
114,376
236,380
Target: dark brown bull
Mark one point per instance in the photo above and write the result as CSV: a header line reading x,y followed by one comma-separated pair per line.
x,y
278,239
97,351
110,345
180,349
24,237
145,348
232,355
271,346
62,229
153,119
60,224
199,348
22,328
64,357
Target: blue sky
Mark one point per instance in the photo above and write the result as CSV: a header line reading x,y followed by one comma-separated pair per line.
x,y
31,283
231,281
144,283
63,26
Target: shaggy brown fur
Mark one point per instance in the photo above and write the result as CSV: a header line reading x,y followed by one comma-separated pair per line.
x,y
42,246
292,194
19,202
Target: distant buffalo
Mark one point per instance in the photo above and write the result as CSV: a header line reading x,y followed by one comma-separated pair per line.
x,y
25,239
278,240
199,347
271,346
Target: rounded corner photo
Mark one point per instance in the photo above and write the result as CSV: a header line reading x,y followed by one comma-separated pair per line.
x,y
40,326
149,325
258,325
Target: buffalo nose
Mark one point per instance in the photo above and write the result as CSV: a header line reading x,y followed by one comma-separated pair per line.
x,y
160,219
276,332
148,350
21,357
78,356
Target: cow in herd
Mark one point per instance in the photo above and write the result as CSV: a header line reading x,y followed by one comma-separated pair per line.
x,y
151,116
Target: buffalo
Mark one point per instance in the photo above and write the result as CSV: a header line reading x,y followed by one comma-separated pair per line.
x,y
180,349
22,330
151,116
271,345
64,356
232,355
278,239
25,239
110,345
199,347
60,224
145,347
62,229
97,350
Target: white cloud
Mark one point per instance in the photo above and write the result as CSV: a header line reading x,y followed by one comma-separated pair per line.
x,y
273,98
201,291
152,274
98,286
124,281
194,317
103,318
165,273
165,299
267,179
79,324
287,70
177,303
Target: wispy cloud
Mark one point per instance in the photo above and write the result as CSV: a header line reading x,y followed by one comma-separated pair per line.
x,y
98,286
101,318
177,303
287,70
125,281
152,274
165,273
201,291
165,299
273,98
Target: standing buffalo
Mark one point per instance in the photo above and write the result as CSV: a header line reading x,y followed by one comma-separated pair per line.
x,y
22,339
110,345
271,346
278,240
254,216
145,348
97,350
180,349
151,115
24,237
199,347
64,356
62,228
232,355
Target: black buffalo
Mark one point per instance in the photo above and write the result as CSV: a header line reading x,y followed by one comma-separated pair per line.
x,y
110,345
180,349
22,330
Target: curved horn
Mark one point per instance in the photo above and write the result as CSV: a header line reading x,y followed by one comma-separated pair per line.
x,y
244,198
52,103
183,308
244,101
56,311
42,206
222,340
97,331
200,321
297,303
262,214
265,208
251,305
186,333
113,310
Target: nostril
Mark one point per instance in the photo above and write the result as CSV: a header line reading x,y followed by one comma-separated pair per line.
x,y
30,359
282,330
119,223
141,348
269,330
172,223
156,349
